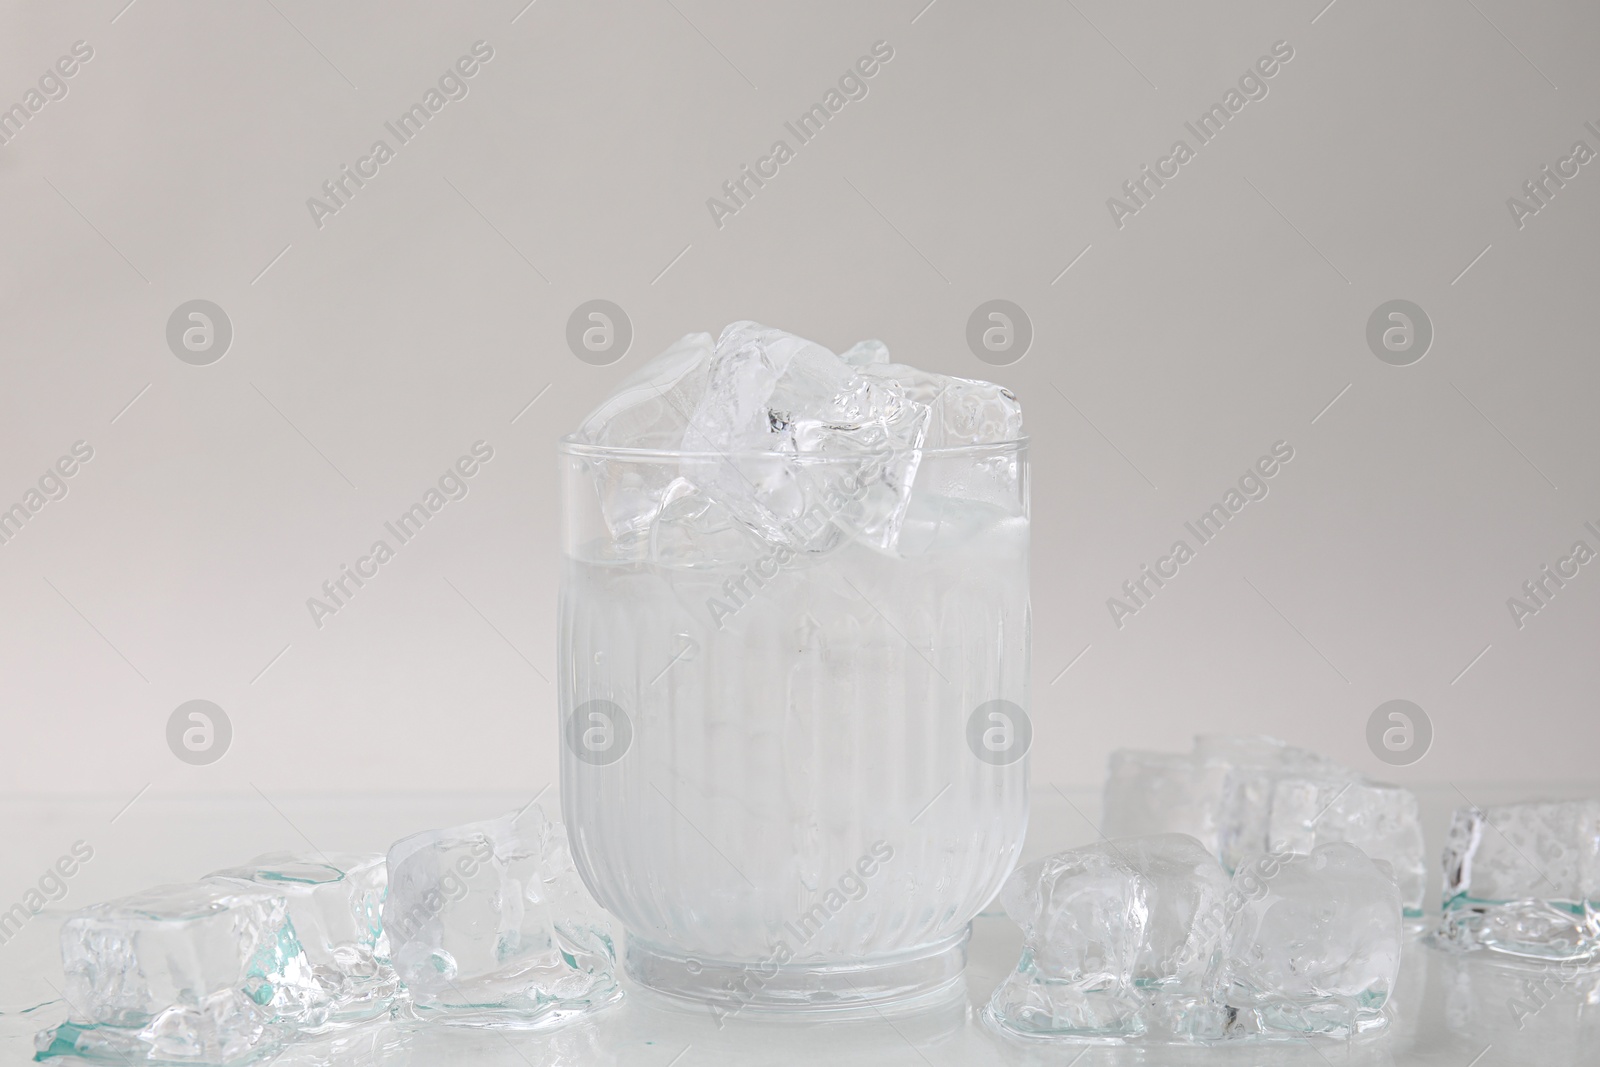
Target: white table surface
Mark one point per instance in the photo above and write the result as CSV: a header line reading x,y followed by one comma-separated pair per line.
x,y
1448,1011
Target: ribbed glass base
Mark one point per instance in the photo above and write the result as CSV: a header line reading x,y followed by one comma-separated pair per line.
x,y
900,982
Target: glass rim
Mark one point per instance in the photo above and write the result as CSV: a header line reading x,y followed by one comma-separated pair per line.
x,y
571,446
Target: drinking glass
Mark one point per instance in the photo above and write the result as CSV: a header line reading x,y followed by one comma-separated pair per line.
x,y
793,700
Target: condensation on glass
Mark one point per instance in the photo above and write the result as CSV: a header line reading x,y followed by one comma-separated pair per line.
x,y
794,756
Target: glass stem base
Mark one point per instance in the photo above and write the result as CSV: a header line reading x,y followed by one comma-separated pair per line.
x,y
904,980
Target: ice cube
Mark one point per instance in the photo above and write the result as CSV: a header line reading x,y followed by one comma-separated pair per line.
x,y
1384,821
805,449
761,383
489,925
1279,798
1241,795
206,973
1163,792
1120,940
691,527
649,410
1272,810
1313,943
798,445
335,903
1158,792
1524,879
962,411
652,407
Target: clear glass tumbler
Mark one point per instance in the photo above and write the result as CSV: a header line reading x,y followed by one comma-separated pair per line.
x,y
794,747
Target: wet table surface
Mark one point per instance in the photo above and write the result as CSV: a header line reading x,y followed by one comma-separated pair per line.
x,y
1448,1010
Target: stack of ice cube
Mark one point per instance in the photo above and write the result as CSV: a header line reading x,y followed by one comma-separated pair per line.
x,y
488,924
1246,795
1147,939
766,426
1524,880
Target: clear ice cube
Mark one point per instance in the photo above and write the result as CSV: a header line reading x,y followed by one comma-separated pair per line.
x,y
652,407
649,410
207,973
1313,943
335,903
1184,792
1384,821
802,448
489,925
961,411
1250,794
773,399
1120,940
1524,880
1241,795
1254,765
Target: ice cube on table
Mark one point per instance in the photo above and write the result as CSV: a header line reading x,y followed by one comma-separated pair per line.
x,y
1183,792
1274,810
1524,880
335,903
489,925
205,973
1384,821
1313,943
1246,794
1255,763
1191,792
1163,792
1121,940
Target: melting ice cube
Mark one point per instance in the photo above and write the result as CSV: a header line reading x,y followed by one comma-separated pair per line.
x,y
1242,795
206,973
1120,940
1524,880
490,925
335,903
1313,943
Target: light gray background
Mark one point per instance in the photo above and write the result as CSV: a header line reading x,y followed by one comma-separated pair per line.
x,y
370,353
